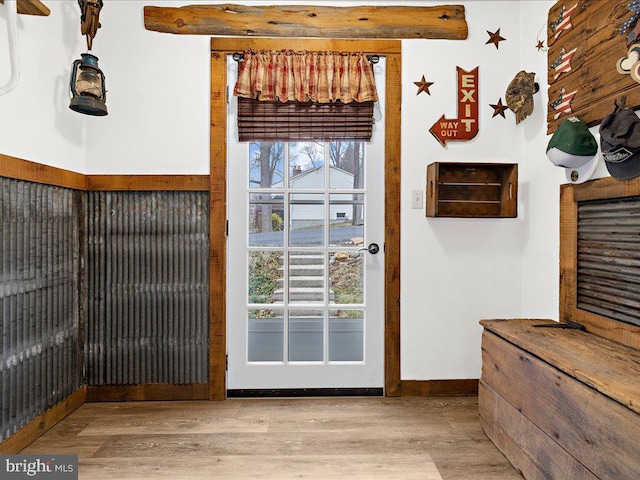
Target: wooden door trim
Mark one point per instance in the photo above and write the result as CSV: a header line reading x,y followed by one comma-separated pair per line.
x,y
220,48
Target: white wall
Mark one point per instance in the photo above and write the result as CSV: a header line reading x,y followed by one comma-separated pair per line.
x,y
540,180
35,120
454,271
458,271
158,97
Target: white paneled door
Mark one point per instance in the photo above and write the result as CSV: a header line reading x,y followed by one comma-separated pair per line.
x,y
305,272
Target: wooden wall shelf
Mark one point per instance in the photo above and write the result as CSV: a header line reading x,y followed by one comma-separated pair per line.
x,y
32,7
468,190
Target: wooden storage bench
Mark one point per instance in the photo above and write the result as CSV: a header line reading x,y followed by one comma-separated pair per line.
x,y
560,403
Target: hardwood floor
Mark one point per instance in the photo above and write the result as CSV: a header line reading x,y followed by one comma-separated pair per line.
x,y
320,438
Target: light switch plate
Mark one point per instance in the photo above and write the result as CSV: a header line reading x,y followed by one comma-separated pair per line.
x,y
417,199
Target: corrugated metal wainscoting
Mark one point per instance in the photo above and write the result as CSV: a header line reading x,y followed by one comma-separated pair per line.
x,y
609,257
148,288
40,298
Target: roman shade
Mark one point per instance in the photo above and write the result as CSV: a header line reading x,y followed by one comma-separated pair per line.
x,y
288,96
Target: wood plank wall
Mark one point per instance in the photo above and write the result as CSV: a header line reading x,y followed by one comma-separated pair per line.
x,y
595,35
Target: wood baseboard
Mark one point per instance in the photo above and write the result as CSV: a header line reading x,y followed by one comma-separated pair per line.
x,y
440,388
304,392
147,392
43,422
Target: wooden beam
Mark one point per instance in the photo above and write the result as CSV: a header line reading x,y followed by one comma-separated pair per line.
x,y
438,22
32,7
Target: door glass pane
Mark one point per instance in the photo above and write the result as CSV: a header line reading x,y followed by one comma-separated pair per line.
x,y
306,277
346,277
346,336
347,162
306,165
266,220
265,277
346,227
306,219
266,164
306,336
265,335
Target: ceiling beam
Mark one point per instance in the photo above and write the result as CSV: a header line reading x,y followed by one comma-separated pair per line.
x,y
441,22
32,7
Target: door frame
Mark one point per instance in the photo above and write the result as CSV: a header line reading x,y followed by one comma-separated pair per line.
x,y
220,49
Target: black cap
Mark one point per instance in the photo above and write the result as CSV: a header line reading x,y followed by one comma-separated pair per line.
x,y
620,142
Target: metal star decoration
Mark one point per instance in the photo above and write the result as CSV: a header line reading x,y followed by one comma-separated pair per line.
x,y
499,108
495,38
423,86
540,45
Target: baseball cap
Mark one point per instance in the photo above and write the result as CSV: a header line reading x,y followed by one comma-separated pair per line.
x,y
620,142
573,147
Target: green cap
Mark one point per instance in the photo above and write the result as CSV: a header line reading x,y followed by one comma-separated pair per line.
x,y
573,137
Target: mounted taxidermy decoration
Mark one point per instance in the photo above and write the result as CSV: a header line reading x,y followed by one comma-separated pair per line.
x,y
519,94
87,83
465,126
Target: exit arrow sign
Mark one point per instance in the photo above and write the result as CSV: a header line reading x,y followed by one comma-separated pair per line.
x,y
465,127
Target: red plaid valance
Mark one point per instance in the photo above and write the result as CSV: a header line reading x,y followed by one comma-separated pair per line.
x,y
320,77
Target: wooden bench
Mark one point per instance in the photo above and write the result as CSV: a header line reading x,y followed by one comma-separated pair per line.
x,y
560,403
